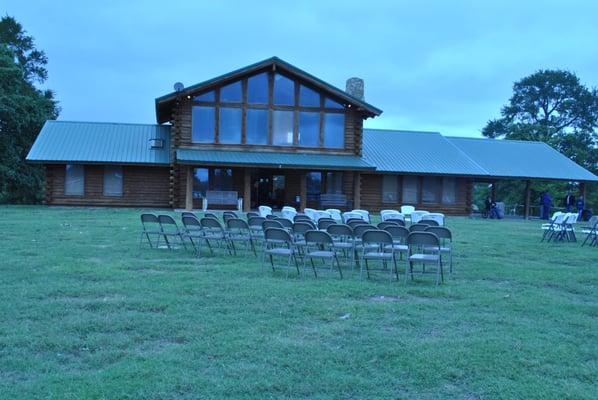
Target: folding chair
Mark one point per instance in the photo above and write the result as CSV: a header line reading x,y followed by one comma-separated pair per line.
x,y
356,222
311,213
436,217
298,234
251,214
446,242
429,222
169,228
319,244
150,225
210,215
238,231
324,223
400,222
271,216
569,227
365,215
418,227
214,232
384,224
375,247
302,218
194,233
550,227
417,215
591,232
424,248
226,215
264,210
351,215
278,242
335,214
399,239
343,241
255,228
272,223
288,212
286,223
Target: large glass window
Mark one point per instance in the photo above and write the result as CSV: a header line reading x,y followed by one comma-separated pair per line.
x,y
329,103
313,185
410,189
231,93
390,189
113,180
200,182
308,97
282,128
334,182
431,187
208,96
74,180
257,126
334,130
230,125
284,90
257,89
449,190
223,179
202,124
309,129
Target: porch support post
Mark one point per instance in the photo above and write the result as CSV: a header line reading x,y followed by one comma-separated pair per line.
x,y
493,191
528,187
357,190
189,189
246,190
582,190
303,191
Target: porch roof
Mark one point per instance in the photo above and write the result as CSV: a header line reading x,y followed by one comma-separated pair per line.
x,y
272,159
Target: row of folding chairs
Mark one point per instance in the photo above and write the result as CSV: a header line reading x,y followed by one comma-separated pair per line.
x,y
560,228
591,231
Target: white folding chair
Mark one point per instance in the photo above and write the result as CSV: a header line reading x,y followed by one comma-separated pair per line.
x,y
417,215
335,214
365,215
288,212
438,217
264,210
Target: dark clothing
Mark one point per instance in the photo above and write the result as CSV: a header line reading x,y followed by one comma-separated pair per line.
x,y
546,203
569,202
581,204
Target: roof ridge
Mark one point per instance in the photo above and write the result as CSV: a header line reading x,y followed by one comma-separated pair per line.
x,y
498,140
400,130
104,123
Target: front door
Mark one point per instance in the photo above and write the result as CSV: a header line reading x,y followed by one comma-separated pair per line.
x,y
267,189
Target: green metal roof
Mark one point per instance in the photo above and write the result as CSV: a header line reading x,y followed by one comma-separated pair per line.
x,y
416,153
164,103
271,159
521,159
95,142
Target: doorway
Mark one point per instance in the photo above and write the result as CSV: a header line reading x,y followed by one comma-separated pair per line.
x,y
267,189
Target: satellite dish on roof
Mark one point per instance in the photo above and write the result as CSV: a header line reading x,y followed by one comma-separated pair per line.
x,y
178,87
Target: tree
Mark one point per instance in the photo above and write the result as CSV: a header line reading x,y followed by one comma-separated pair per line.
x,y
23,111
551,106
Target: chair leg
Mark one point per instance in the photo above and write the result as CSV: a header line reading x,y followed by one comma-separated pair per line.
x,y
311,260
338,264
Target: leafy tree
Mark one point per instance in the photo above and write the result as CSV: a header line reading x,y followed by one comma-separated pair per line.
x,y
23,111
551,106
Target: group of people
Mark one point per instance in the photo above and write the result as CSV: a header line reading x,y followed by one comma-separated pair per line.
x,y
570,203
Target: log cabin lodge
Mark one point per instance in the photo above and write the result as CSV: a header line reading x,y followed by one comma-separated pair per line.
x,y
273,134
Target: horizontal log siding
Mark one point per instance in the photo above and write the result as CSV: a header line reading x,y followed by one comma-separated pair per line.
x,y
142,187
371,197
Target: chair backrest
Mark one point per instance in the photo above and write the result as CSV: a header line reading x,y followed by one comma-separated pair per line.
x,y
397,232
191,222
417,215
384,224
271,223
355,223
289,208
251,214
210,223
324,223
384,212
424,222
429,222
277,235
560,218
335,214
571,218
167,220
264,210
555,214
400,222
364,214
301,217
418,227
436,217
149,219
210,215
188,214
407,209
392,215
376,236
311,213
237,224
340,230
288,212
286,223
359,230
351,215
441,232
302,227
319,214
256,222
318,237
423,239
229,214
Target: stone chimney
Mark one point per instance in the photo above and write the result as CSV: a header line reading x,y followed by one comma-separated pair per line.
x,y
355,88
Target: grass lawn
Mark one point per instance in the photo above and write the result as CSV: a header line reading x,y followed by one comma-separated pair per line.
x,y
84,314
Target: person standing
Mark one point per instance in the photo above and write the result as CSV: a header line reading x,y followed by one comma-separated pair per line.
x,y
546,202
569,202
581,205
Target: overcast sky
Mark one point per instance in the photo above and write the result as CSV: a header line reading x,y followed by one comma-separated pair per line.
x,y
446,66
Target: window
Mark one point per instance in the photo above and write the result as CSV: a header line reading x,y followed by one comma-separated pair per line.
x,y
449,190
390,189
334,130
334,182
278,185
74,180
308,97
113,180
309,129
230,125
202,124
208,96
200,182
257,89
257,126
284,90
431,187
282,128
314,185
223,179
231,93
329,103
410,189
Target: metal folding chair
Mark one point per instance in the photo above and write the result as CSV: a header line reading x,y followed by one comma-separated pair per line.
x,y
319,245
424,248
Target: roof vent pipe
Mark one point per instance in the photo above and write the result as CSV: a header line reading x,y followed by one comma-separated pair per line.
x,y
355,87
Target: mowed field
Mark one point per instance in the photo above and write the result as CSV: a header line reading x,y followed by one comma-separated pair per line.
x,y
86,314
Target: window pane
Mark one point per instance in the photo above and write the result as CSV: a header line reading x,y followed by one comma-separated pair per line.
x,y
308,97
208,96
309,129
257,126
334,182
74,180
231,93
282,128
329,103
449,190
200,182
431,189
278,185
410,189
257,89
230,125
314,186
202,124
223,179
390,189
284,90
113,180
334,131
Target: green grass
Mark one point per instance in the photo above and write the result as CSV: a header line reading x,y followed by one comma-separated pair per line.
x,y
85,314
